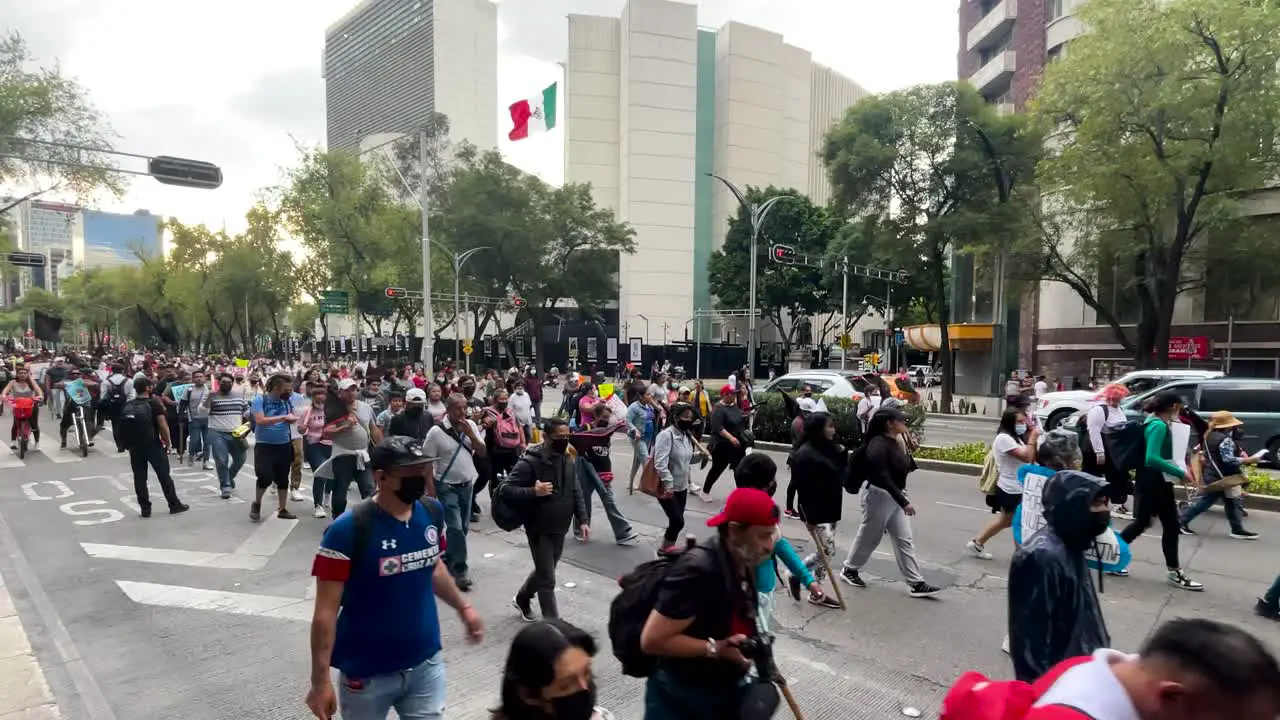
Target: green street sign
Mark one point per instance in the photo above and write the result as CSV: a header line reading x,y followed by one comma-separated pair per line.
x,y
334,302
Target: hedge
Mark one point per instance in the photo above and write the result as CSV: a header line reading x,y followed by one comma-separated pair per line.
x,y
773,425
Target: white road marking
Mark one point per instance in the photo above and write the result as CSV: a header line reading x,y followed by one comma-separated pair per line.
x,y
961,507
176,596
253,554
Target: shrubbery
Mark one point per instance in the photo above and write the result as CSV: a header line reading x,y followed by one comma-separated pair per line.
x,y
773,425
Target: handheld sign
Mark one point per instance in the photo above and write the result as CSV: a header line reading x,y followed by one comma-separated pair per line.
x,y
1110,549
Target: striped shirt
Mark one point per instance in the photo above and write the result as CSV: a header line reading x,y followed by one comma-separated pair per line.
x,y
226,412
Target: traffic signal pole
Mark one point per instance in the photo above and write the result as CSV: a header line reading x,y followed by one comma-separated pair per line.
x,y
844,310
428,342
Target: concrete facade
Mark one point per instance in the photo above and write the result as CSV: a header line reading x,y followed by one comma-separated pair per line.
x,y
390,63
652,105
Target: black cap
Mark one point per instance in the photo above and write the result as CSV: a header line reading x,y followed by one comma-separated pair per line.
x,y
397,451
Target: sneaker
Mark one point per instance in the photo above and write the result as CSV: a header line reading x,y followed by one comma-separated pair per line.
x,y
255,512
319,513
62,445
475,517
146,512
1244,535
226,494
1122,511
1118,573
274,490
1268,611
705,497
627,539
286,515
179,508
791,514
1004,645
463,582
793,585
824,600
297,496
852,577
977,550
204,466
667,550
525,609
1182,528
923,590
1178,580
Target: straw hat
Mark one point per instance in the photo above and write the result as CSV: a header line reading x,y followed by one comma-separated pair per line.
x,y
1222,420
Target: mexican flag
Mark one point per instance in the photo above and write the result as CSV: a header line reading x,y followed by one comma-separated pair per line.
x,y
533,116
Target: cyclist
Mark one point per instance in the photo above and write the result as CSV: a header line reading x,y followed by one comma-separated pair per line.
x,y
22,386
78,391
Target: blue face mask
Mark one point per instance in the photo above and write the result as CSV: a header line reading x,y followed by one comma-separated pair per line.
x,y
1020,428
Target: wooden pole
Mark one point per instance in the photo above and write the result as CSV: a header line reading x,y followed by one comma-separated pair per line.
x,y
822,558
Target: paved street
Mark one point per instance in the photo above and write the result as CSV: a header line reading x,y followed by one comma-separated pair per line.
x,y
204,615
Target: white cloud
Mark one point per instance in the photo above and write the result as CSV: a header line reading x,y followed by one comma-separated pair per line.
x,y
237,82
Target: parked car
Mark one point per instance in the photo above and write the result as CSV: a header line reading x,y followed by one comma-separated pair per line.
x,y
1055,407
832,383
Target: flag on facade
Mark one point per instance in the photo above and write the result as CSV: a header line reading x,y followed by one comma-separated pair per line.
x,y
533,116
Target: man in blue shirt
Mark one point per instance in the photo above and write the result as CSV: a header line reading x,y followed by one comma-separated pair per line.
x,y
385,575
273,450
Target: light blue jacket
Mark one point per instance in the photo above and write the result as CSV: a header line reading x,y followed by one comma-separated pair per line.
x,y
766,578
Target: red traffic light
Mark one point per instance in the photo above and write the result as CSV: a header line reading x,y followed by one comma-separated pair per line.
x,y
784,254
517,301
393,292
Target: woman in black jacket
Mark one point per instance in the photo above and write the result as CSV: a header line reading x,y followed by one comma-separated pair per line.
x,y
885,506
817,467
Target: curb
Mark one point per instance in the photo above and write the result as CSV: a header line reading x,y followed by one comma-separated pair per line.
x,y
957,416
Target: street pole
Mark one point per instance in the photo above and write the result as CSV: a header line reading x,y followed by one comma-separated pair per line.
x,y
844,310
888,325
428,360
697,339
1231,332
457,309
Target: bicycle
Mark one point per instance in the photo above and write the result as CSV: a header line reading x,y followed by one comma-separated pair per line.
x,y
23,408
78,395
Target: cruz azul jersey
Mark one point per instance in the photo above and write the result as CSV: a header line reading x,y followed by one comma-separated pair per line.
x,y
388,620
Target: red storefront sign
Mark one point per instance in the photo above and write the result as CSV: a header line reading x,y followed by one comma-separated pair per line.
x,y
1190,348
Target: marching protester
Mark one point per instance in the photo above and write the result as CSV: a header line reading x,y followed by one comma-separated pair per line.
x,y
316,448
673,452
1054,613
1013,447
395,406
522,405
350,428
454,444
817,467
885,506
227,410
273,420
1154,485
1222,475
412,419
548,675
700,622
1268,606
435,403
643,421
385,643
141,429
198,420
1107,414
22,386
545,483
728,438
595,471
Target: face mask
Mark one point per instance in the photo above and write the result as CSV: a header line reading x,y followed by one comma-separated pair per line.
x,y
685,425
411,489
578,706
560,445
501,406
414,410
286,394
1020,428
1099,520
224,387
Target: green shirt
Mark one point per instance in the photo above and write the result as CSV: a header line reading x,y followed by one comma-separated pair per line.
x,y
1159,455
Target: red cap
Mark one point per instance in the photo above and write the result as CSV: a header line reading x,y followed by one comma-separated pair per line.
x,y
747,506
727,390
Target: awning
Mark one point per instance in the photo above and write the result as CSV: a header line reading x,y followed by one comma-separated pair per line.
x,y
963,336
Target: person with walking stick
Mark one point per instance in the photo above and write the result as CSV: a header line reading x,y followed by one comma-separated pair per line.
x,y
817,466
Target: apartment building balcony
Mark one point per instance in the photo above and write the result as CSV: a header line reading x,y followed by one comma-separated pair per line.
x,y
995,76
994,27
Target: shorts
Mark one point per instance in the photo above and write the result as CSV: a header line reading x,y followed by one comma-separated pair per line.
x,y
1005,502
272,464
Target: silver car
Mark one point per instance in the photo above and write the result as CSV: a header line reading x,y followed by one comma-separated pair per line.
x,y
831,383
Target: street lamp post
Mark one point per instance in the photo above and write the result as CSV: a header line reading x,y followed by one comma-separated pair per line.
x,y
758,213
458,259
646,326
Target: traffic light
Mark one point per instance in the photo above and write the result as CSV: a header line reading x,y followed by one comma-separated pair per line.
x,y
394,292
784,254
903,276
185,173
517,301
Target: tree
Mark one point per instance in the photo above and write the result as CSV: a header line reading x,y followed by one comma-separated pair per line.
x,y
1164,116
40,104
786,295
902,163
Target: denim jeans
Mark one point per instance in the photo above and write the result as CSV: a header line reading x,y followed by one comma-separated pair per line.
x,y
316,454
456,498
591,483
198,443
416,694
1206,501
228,457
345,470
1272,597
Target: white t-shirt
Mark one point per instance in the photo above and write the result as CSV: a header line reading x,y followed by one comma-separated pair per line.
x,y
440,447
1006,464
811,404
867,407
1041,388
522,406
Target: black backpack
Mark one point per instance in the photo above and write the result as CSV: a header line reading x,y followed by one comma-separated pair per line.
x,y
855,475
135,427
114,397
630,610
1126,445
507,512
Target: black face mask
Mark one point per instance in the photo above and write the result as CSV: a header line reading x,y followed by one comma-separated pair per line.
x,y
685,425
411,489
560,445
578,706
501,406
1099,520
414,410
225,387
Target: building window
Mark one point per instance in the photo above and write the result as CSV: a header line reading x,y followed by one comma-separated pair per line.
x,y
1055,9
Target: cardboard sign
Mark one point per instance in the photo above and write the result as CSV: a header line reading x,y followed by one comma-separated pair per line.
x,y
1111,551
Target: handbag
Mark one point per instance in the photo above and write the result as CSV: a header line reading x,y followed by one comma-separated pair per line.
x,y
650,480
990,475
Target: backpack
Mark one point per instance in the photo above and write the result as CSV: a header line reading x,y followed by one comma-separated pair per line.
x,y
1126,445
115,396
630,610
990,475
506,431
362,515
856,472
507,512
976,697
135,427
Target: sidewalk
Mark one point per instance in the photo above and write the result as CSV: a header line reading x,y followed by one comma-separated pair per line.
x,y
24,693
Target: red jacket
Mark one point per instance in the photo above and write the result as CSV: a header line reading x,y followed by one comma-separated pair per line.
x,y
975,697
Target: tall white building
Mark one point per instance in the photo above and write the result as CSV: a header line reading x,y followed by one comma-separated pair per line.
x,y
653,104
388,64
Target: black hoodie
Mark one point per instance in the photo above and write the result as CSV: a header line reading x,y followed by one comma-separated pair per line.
x,y
1054,612
817,470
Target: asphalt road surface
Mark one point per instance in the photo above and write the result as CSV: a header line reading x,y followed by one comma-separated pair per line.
x,y
205,615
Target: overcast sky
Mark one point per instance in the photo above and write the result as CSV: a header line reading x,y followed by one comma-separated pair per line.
x,y
238,82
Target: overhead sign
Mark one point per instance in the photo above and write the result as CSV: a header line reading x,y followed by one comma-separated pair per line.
x,y
334,302
1190,348
26,259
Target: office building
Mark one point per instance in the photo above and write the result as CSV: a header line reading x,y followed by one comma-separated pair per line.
x,y
653,105
112,239
388,64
